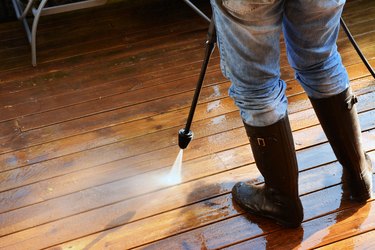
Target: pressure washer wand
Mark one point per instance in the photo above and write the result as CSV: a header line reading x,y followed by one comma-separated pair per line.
x,y
185,135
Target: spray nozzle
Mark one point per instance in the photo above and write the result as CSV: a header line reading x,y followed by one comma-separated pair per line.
x,y
184,138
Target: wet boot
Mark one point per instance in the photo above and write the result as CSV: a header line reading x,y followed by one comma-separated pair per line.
x,y
338,117
274,154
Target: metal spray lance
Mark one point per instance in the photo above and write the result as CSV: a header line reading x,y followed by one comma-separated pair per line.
x,y
185,135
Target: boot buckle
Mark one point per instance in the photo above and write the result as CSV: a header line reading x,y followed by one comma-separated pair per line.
x,y
261,142
350,101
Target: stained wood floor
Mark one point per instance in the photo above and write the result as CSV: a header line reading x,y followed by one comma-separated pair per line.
x,y
87,135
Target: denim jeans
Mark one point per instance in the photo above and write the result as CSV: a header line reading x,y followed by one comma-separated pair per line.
x,y
248,33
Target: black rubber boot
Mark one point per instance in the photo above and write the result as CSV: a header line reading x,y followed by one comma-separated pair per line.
x,y
274,154
338,117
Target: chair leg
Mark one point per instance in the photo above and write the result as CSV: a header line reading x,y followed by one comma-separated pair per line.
x,y
34,29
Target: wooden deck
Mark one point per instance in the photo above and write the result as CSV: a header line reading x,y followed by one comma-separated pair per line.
x,y
87,135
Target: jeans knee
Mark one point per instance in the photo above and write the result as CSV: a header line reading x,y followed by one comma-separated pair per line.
x,y
266,116
325,65
324,79
261,106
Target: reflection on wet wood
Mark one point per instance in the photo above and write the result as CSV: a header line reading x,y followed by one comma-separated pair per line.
x,y
360,241
88,135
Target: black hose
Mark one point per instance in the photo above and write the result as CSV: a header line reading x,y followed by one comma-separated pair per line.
x,y
356,47
198,11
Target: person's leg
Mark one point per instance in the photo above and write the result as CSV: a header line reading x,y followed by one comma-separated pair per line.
x,y
248,37
311,30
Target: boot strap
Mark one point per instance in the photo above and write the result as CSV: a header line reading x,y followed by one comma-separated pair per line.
x,y
262,141
350,101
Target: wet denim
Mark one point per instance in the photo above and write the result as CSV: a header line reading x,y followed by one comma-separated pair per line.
x,y
248,33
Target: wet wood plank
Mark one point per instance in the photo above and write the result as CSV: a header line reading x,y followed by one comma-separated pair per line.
x,y
360,241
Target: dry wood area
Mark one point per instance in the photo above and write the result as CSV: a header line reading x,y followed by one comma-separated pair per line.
x,y
88,134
